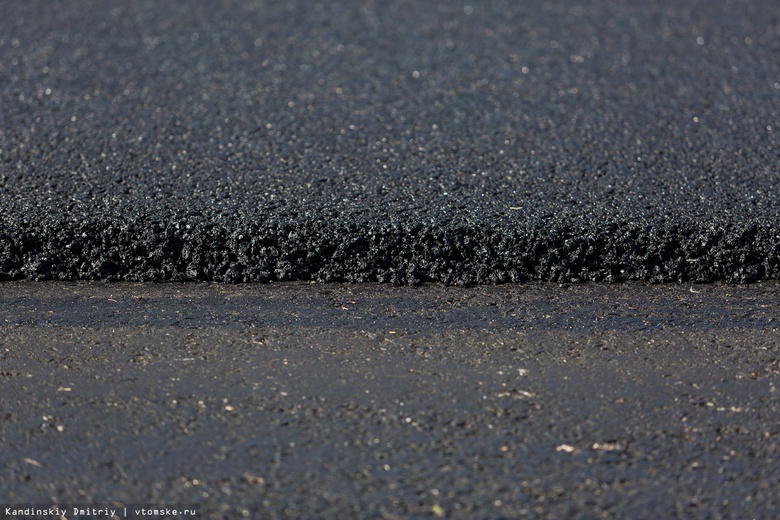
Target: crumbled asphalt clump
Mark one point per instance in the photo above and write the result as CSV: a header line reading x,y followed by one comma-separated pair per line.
x,y
394,143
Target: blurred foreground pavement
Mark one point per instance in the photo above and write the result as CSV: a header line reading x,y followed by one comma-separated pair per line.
x,y
365,401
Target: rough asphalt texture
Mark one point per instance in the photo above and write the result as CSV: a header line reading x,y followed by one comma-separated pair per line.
x,y
367,401
398,141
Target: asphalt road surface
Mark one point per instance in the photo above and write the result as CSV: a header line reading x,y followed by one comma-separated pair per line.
x,y
305,400
397,141
447,143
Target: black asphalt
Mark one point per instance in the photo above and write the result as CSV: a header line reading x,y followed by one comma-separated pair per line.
x,y
436,143
462,142
371,401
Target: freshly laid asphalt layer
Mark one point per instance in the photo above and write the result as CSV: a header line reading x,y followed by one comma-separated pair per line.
x,y
396,141
307,400
463,143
